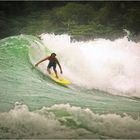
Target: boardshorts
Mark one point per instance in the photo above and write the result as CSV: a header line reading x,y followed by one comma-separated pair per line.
x,y
52,64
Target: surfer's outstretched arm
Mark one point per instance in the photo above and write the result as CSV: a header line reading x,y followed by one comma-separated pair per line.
x,y
41,61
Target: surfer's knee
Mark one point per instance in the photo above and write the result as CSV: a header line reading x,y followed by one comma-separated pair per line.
x,y
55,70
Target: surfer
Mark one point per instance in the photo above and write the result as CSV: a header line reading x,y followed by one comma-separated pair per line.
x,y
52,63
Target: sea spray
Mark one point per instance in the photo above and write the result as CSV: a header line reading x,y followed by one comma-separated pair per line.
x,y
65,121
112,66
48,110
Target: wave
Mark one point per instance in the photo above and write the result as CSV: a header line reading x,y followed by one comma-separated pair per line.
x,y
19,80
65,121
111,66
79,118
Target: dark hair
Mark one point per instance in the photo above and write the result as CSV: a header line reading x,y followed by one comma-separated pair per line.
x,y
53,54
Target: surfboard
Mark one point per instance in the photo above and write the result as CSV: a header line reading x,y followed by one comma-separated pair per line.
x,y
60,80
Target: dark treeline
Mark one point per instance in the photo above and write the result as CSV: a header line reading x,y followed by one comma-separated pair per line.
x,y
78,18
23,7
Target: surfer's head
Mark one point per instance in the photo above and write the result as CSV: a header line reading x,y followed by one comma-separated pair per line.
x,y
53,54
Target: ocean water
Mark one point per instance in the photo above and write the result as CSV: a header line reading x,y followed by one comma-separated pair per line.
x,y
103,100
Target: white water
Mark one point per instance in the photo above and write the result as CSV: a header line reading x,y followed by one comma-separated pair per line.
x,y
112,66
65,121
67,113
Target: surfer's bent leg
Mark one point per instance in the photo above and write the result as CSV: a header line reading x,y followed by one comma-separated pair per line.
x,y
49,71
48,68
54,68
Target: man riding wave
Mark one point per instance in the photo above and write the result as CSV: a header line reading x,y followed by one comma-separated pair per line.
x,y
53,61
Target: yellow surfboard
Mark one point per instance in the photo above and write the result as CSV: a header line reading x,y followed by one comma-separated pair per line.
x,y
59,80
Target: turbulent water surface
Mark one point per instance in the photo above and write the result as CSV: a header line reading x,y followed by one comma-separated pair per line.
x,y
103,100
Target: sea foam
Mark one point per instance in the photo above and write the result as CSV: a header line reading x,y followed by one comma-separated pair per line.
x,y
112,66
65,121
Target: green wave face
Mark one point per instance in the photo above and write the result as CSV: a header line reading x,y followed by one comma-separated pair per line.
x,y
19,82
16,75
33,106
